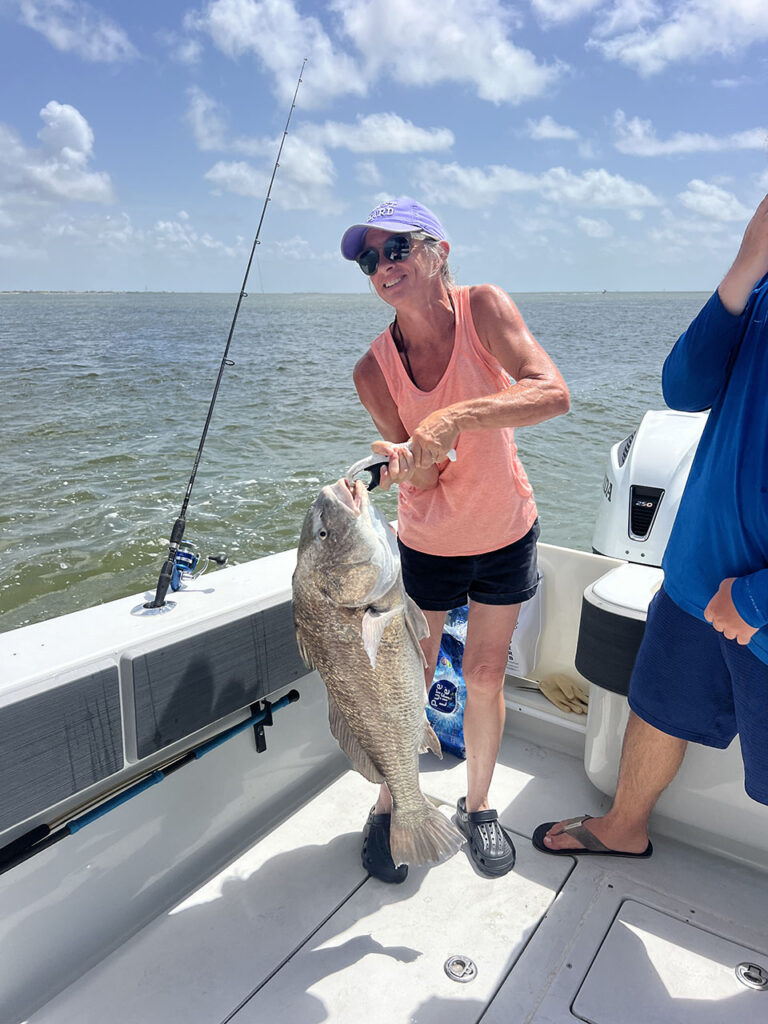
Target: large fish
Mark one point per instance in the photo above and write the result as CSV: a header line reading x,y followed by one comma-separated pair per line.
x,y
356,625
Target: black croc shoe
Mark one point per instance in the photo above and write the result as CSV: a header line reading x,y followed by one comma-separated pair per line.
x,y
376,855
489,844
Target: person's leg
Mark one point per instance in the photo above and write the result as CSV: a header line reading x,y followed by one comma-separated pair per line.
x,y
489,631
650,760
430,645
680,692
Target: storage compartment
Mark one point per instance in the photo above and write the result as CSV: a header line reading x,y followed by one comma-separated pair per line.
x,y
613,613
654,967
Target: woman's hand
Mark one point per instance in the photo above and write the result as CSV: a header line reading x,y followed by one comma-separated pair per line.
x,y
402,467
433,438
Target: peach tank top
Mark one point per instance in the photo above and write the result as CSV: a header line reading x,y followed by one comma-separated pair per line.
x,y
483,500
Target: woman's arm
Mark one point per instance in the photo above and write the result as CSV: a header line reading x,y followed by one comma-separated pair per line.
x,y
539,392
374,395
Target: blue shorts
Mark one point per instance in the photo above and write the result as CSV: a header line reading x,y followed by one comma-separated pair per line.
x,y
691,682
438,583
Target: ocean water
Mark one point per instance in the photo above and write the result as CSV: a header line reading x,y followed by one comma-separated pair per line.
x,y
106,396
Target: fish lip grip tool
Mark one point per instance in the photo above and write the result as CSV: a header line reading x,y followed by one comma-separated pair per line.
x,y
373,462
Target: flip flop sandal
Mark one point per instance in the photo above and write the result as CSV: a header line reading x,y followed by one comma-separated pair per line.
x,y
490,845
592,845
376,854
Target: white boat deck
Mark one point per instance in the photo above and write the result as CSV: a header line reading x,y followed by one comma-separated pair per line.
x,y
294,931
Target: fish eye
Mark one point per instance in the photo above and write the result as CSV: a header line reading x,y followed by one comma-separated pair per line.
x,y
322,533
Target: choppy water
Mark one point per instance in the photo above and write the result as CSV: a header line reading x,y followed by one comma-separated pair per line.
x,y
105,399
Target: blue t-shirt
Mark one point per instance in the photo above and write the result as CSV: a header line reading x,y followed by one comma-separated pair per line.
x,y
721,530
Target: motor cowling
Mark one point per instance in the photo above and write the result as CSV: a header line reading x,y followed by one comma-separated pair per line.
x,y
643,484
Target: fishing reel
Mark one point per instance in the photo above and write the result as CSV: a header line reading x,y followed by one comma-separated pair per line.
x,y
189,564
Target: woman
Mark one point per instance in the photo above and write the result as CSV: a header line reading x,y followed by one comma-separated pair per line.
x,y
457,369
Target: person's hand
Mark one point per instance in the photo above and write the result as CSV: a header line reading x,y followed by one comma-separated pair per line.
x,y
721,612
433,438
401,466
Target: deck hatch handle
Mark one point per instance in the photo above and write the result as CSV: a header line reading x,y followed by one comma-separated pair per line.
x,y
460,968
752,975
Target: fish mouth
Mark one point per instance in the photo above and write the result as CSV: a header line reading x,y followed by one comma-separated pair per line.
x,y
351,494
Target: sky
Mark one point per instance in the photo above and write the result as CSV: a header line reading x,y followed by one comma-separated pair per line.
x,y
565,145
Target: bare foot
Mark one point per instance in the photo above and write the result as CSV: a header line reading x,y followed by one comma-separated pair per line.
x,y
618,838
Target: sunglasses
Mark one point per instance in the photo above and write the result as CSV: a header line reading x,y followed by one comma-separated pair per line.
x,y
395,249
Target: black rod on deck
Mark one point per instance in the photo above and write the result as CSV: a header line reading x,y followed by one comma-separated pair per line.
x,y
179,526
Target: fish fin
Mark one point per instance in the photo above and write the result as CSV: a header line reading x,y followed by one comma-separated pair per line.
x,y
430,741
350,744
422,836
374,624
306,657
416,624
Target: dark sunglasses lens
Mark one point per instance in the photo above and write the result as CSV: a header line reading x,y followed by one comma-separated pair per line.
x,y
368,261
397,248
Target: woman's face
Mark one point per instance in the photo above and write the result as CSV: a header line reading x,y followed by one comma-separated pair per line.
x,y
396,280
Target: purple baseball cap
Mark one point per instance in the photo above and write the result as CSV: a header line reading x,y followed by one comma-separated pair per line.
x,y
403,214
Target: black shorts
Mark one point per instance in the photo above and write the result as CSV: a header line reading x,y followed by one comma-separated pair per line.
x,y
438,583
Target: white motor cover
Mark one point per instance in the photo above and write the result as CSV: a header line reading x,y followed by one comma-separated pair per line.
x,y
644,481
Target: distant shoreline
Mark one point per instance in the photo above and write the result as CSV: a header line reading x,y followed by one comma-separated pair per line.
x,y
136,291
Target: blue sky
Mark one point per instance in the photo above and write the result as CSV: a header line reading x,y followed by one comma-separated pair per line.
x,y
565,144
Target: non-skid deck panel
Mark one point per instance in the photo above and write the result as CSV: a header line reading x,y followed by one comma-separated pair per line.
x,y
201,960
700,906
382,956
58,743
182,687
670,970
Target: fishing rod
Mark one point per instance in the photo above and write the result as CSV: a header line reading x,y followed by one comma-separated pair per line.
x,y
186,560
42,837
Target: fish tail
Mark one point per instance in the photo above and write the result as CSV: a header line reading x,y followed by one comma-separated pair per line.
x,y
422,836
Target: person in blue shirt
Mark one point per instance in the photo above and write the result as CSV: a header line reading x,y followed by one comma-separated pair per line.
x,y
701,673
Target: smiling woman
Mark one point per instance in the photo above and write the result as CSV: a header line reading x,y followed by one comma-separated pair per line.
x,y
457,369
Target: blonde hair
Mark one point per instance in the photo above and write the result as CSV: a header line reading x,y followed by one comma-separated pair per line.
x,y
436,255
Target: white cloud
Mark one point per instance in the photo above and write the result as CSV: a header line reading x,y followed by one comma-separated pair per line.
x,y
594,228
379,133
465,41
367,173
693,29
60,169
475,187
638,138
208,124
307,176
626,15
277,34
559,11
179,237
75,27
691,237
712,202
435,41
548,128
307,172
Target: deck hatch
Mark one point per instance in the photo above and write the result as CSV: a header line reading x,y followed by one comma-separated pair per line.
x,y
58,743
183,687
655,967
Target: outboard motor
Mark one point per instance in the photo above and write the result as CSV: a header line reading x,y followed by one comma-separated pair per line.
x,y
642,488
643,484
